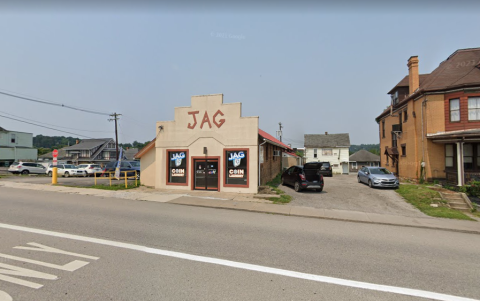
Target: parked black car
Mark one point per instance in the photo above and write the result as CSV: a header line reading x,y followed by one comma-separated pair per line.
x,y
129,166
304,177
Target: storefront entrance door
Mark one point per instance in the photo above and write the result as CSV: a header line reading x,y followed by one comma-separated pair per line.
x,y
206,174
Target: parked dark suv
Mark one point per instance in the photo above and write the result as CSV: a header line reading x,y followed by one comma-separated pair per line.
x,y
129,166
326,169
304,177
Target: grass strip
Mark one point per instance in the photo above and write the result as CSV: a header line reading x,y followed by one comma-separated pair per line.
x,y
422,197
284,198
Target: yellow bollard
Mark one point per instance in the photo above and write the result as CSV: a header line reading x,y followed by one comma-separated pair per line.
x,y
54,175
125,174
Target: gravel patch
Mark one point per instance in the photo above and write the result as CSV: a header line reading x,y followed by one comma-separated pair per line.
x,y
343,192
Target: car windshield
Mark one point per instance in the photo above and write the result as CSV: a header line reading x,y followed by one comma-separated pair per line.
x,y
69,166
95,166
135,164
379,171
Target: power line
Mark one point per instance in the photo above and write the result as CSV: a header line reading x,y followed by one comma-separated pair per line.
x,y
54,124
53,103
46,127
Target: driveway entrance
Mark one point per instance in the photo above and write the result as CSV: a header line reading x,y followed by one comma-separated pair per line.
x,y
342,192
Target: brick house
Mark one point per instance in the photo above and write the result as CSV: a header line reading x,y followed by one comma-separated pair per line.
x,y
431,130
271,161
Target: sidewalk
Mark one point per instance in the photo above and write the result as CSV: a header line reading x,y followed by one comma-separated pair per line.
x,y
248,202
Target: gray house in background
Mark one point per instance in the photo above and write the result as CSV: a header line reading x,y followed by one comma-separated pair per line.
x,y
98,151
363,158
16,146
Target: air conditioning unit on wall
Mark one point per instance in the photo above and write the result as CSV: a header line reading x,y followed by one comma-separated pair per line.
x,y
277,153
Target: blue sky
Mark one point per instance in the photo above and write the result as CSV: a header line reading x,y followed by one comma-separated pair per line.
x,y
316,69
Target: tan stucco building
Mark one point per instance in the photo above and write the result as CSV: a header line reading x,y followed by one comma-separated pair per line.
x,y
209,146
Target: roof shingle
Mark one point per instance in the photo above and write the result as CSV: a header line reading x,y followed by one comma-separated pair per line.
x,y
328,140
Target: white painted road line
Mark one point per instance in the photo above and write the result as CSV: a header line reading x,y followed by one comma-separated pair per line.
x,y
246,266
5,297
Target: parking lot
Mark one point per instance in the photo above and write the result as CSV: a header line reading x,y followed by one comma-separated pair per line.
x,y
342,192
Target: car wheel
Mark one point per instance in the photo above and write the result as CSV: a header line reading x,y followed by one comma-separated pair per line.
x,y
25,172
358,179
370,184
50,173
297,187
319,189
66,175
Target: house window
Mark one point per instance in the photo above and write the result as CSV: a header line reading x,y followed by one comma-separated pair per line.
x,y
468,156
474,108
236,162
405,116
13,138
455,110
315,153
354,166
327,152
449,155
394,139
400,117
478,155
383,128
404,150
177,167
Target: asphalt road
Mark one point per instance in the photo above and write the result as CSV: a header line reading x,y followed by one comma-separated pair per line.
x,y
343,192
135,250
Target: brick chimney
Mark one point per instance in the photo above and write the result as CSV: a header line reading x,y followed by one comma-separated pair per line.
x,y
326,133
413,77
77,141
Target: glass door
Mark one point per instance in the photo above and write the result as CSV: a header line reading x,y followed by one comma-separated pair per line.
x,y
206,174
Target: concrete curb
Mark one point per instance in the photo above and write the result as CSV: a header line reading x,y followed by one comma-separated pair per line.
x,y
255,205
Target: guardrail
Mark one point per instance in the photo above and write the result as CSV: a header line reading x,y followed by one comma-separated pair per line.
x,y
111,175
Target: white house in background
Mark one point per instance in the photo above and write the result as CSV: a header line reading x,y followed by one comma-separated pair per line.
x,y
333,148
16,146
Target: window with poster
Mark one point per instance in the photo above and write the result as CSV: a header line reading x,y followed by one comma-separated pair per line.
x,y
177,163
236,168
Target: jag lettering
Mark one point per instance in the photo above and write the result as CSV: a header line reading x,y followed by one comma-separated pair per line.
x,y
206,120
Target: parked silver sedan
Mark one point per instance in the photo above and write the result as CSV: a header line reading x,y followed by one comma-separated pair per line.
x,y
376,176
66,170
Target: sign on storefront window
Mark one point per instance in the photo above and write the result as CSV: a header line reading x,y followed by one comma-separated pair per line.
x,y
237,165
177,172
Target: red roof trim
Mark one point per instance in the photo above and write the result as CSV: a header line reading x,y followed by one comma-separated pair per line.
x,y
272,139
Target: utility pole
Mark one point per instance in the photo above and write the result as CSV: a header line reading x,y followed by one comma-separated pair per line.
x,y
115,118
279,133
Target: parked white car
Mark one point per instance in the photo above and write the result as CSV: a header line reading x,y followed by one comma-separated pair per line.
x,y
26,168
66,170
91,169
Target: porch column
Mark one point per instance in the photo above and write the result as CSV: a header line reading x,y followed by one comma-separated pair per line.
x,y
460,163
